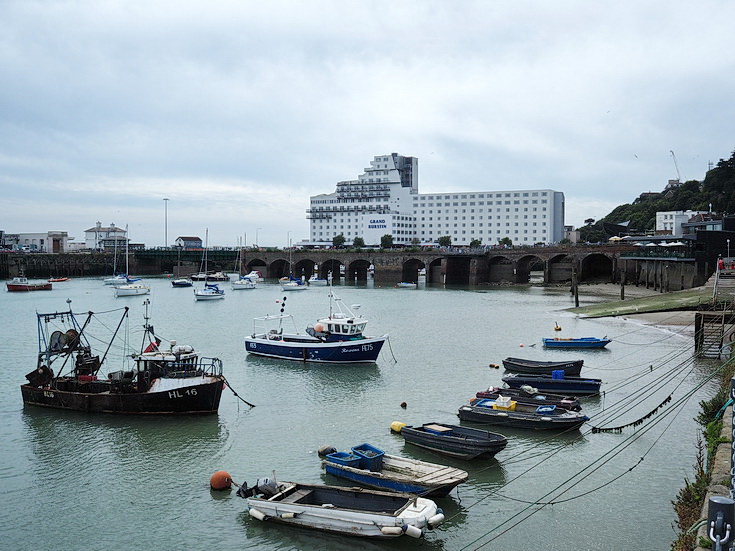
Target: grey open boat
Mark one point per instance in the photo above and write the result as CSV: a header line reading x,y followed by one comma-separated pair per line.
x,y
533,367
452,440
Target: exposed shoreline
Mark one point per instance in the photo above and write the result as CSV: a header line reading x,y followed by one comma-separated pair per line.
x,y
661,313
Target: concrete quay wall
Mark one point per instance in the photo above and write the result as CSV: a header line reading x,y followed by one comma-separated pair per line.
x,y
720,474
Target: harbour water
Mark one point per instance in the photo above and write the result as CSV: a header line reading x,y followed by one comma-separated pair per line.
x,y
75,481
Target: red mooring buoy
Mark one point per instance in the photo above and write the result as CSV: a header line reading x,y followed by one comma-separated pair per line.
x,y
221,480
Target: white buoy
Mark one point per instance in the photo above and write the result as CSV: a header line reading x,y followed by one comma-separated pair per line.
x,y
288,515
260,515
391,531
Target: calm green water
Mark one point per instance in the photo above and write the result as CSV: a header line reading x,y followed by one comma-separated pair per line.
x,y
74,481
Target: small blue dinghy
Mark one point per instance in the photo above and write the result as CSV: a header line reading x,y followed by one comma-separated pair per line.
x,y
370,466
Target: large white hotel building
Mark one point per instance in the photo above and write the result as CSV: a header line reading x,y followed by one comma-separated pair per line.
x,y
385,199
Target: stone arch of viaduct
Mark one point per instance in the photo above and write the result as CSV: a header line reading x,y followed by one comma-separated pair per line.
x,y
494,267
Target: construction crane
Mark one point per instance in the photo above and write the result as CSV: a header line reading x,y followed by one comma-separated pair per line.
x,y
676,165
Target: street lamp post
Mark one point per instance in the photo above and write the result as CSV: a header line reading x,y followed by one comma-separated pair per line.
x,y
165,221
728,248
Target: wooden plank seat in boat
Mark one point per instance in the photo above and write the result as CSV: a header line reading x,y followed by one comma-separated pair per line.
x,y
438,429
442,476
299,496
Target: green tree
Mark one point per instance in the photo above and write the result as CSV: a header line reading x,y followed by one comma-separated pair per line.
x,y
339,241
505,241
358,242
445,241
386,242
475,243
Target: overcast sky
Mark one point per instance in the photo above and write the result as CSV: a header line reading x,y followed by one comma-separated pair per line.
x,y
238,111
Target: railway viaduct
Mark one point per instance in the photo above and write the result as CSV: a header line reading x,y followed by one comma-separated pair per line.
x,y
549,265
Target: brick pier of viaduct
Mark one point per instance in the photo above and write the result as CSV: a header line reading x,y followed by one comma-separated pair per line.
x,y
497,266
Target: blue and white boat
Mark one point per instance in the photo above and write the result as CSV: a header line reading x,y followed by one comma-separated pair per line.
x,y
320,281
121,279
337,338
371,467
210,291
582,342
244,282
292,283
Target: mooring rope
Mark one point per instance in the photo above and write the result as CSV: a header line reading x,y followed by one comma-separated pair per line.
x,y
235,393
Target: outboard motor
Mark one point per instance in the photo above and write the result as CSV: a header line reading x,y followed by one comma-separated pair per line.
x,y
265,486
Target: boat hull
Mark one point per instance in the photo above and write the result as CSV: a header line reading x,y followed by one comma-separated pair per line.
x,y
462,442
397,474
583,343
536,399
352,511
25,287
530,367
357,351
568,385
566,421
191,398
132,290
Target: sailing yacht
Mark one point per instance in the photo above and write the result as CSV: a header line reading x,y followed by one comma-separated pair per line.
x,y
131,287
118,279
292,283
242,282
210,291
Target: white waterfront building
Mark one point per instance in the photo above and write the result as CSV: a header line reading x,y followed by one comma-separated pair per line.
x,y
385,200
670,222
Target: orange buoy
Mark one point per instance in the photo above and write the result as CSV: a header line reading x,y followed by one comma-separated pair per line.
x,y
221,480
521,345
